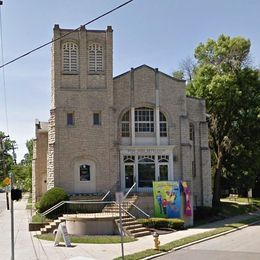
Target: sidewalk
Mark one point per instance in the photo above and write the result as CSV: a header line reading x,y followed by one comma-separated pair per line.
x,y
29,248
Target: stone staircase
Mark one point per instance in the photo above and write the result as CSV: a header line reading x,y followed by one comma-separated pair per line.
x,y
51,226
126,205
131,227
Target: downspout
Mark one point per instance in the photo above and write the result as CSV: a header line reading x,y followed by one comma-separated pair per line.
x,y
201,174
181,163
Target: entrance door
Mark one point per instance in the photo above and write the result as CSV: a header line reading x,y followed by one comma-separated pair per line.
x,y
146,175
163,172
129,176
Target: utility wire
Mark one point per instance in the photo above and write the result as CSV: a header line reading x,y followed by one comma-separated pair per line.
x,y
45,44
3,70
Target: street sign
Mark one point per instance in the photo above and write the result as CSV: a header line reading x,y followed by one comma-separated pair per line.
x,y
62,231
7,181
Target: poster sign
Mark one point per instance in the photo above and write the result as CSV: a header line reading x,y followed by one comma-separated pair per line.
x,y
187,194
62,231
167,199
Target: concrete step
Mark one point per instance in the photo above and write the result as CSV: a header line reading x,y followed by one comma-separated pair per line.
x,y
137,230
133,226
43,230
142,234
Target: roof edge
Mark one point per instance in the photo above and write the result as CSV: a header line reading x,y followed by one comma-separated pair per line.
x,y
154,69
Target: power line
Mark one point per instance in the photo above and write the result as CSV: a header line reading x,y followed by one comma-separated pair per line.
x,y
45,44
3,69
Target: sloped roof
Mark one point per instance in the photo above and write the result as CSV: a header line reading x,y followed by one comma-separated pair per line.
x,y
150,68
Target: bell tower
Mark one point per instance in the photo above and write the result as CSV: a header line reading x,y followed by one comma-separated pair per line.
x,y
81,107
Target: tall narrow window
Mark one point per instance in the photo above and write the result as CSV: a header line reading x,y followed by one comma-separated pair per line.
x,y
144,120
96,119
125,125
70,57
95,55
70,119
163,125
192,132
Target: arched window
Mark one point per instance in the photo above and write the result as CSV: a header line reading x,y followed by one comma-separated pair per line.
x,y
125,125
144,120
163,125
70,57
95,55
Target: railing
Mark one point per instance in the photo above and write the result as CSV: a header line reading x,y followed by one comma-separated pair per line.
x,y
129,191
62,203
48,211
137,211
105,195
95,208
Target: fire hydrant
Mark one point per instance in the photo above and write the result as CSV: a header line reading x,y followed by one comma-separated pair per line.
x,y
156,241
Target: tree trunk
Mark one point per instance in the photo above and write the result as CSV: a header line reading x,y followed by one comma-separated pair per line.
x,y
217,176
216,188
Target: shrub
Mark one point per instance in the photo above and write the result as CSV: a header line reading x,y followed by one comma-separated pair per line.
x,y
159,223
51,198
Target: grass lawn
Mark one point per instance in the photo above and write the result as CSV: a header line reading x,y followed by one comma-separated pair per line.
x,y
230,209
227,209
37,218
90,239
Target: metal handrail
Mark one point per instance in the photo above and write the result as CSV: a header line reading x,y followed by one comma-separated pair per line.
x,y
105,195
129,191
69,202
53,208
128,213
147,215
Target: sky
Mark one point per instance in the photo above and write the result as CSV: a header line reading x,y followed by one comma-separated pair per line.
x,y
159,33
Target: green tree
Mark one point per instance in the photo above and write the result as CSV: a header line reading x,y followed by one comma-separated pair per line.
x,y
6,158
230,87
23,170
178,74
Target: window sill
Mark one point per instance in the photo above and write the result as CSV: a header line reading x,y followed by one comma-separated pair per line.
x,y
70,72
96,73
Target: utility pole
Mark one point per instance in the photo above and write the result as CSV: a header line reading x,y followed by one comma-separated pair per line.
x,y
12,219
12,203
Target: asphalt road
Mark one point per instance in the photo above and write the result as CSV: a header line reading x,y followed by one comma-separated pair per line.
x,y
239,245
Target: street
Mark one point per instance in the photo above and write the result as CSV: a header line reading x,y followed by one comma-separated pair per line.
x,y
239,245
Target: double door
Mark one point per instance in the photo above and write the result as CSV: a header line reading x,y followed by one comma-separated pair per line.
x,y
144,175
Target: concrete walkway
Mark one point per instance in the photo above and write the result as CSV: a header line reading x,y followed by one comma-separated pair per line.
x,y
28,247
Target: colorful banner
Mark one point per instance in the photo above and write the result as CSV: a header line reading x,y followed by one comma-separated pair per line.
x,y
167,199
187,193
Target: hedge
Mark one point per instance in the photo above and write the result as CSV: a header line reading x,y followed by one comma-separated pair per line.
x,y
174,223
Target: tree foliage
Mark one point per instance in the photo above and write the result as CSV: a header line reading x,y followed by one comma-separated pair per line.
x,y
230,87
6,158
178,74
22,171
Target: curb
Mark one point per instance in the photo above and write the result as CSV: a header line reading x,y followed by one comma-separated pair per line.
x,y
201,240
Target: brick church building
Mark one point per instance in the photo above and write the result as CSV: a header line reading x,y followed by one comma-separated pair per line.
x,y
105,132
